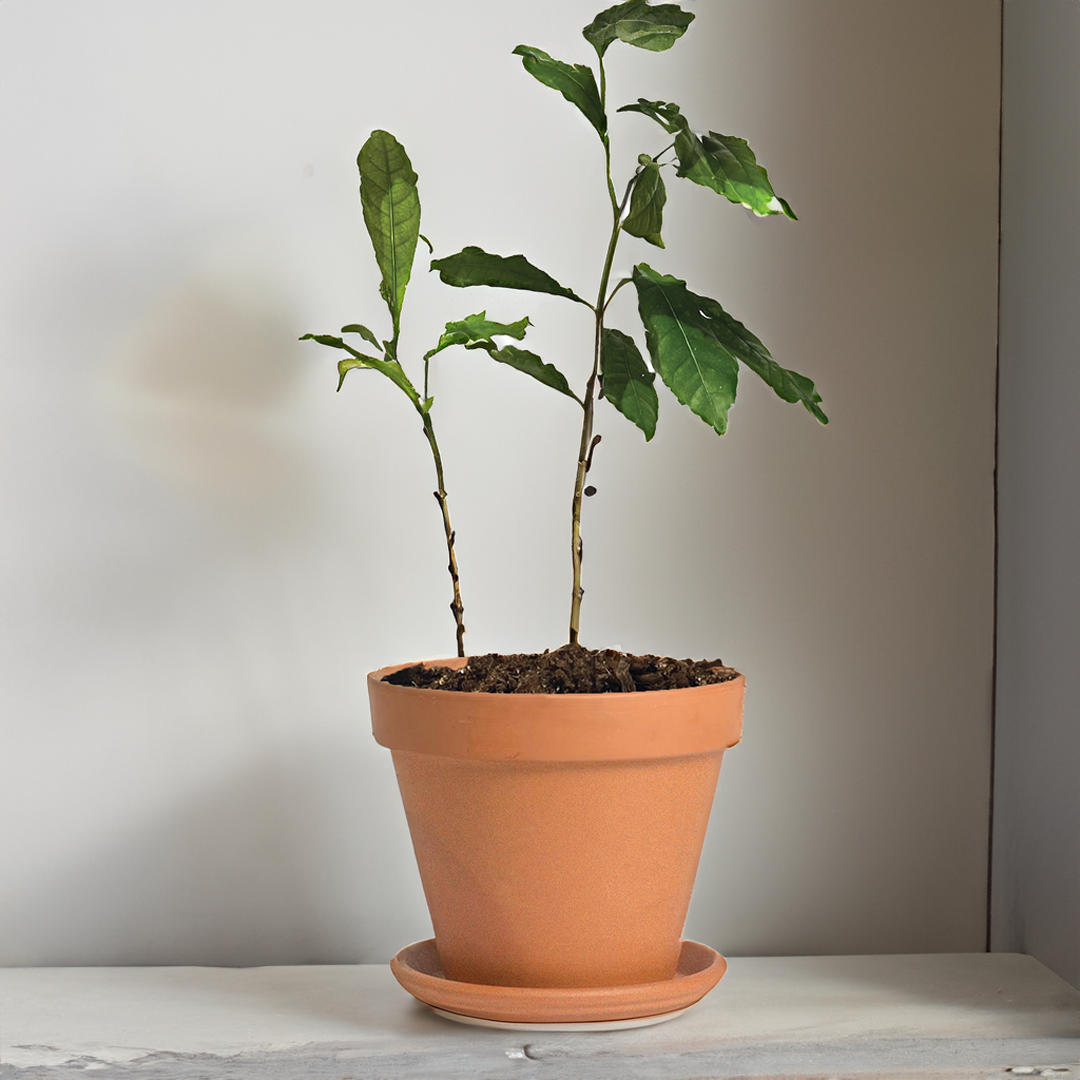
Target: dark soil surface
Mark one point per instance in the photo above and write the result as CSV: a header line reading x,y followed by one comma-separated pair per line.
x,y
570,669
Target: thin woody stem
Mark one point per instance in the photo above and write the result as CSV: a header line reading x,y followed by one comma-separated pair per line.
x,y
456,605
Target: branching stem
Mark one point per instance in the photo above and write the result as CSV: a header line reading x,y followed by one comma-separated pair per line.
x,y
611,295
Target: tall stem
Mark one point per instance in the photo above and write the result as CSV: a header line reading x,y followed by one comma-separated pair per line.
x,y
588,405
456,605
589,398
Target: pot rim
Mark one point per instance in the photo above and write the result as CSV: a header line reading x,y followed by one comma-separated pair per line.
x,y
460,661
555,727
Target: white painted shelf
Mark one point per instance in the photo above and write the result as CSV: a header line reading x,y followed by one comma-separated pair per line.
x,y
948,1016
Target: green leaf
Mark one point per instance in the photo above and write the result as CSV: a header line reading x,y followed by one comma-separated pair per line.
x,y
674,311
473,266
626,382
720,162
478,332
647,200
575,82
665,113
699,370
329,340
789,385
480,327
638,23
530,364
476,329
728,166
390,368
363,331
391,213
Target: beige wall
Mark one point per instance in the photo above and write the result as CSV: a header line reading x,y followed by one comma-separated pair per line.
x,y
206,549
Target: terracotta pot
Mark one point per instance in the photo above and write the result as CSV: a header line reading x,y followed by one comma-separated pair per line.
x,y
557,835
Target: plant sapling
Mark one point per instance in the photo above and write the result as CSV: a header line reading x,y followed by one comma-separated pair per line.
x,y
693,344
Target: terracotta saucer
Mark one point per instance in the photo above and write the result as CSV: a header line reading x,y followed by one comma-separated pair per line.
x,y
588,1025
418,968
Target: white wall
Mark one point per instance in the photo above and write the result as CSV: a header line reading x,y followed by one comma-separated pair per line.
x,y
206,549
1036,859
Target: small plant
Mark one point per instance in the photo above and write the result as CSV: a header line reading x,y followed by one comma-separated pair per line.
x,y
694,345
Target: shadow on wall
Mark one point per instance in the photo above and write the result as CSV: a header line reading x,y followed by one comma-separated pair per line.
x,y
281,863
195,583
195,390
